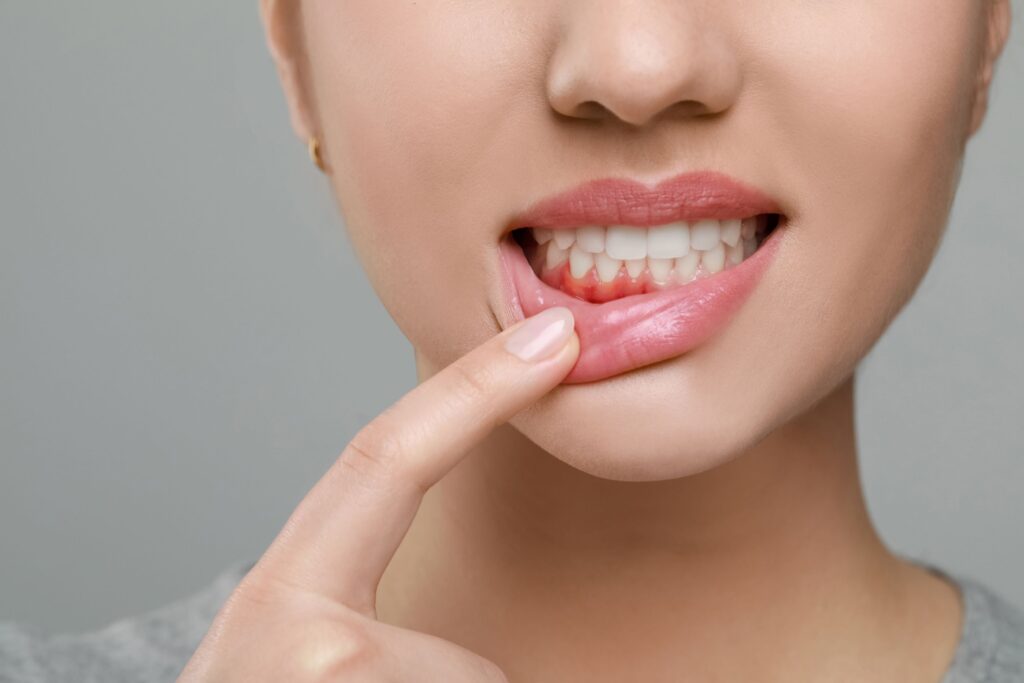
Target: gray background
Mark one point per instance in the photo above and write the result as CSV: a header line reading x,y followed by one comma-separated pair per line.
x,y
188,342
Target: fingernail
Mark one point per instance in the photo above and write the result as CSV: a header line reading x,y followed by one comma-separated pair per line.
x,y
542,335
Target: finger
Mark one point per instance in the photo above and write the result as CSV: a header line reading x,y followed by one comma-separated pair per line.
x,y
340,538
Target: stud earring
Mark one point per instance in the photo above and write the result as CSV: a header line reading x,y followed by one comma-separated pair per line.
x,y
314,153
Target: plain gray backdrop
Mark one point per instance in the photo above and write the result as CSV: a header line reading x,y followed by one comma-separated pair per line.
x,y
187,341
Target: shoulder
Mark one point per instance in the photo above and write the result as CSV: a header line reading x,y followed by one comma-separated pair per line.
x,y
149,647
991,648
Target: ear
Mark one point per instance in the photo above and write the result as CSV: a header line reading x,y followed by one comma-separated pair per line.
x,y
283,26
998,30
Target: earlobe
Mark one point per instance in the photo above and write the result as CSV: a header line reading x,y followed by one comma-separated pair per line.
x,y
282,25
997,33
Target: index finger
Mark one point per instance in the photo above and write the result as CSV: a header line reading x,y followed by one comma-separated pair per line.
x,y
340,538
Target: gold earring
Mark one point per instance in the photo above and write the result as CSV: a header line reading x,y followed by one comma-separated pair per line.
x,y
314,153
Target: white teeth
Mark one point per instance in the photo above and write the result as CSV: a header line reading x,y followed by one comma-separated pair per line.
x,y
564,238
714,260
731,232
590,238
735,254
704,235
579,261
671,251
635,266
607,267
668,241
554,255
686,267
748,228
625,242
660,268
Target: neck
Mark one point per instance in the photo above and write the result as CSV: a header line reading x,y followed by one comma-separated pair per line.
x,y
515,553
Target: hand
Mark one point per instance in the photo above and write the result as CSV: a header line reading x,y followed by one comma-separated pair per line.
x,y
307,610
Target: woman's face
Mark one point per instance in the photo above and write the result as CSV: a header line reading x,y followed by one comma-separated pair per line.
x,y
443,122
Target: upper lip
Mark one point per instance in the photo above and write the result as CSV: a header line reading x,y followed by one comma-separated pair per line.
x,y
688,196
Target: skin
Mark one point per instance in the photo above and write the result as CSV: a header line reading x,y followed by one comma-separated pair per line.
x,y
697,519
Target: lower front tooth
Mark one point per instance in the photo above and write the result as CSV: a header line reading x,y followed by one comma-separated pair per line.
x,y
607,267
579,261
735,254
635,266
686,267
660,268
714,260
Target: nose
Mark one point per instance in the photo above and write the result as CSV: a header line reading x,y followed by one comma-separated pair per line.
x,y
636,60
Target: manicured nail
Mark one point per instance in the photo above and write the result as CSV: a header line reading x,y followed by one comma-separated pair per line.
x,y
542,335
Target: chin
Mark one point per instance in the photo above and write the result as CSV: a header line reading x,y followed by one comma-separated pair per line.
x,y
672,419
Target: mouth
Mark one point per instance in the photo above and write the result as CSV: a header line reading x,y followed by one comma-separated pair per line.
x,y
649,273
604,263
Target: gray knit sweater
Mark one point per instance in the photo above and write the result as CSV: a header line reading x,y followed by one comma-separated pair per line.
x,y
155,646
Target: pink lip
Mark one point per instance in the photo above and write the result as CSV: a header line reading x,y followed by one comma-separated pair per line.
x,y
641,329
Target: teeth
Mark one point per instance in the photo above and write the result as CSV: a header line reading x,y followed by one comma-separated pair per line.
x,y
579,261
704,235
714,260
564,238
748,228
734,254
686,267
668,241
607,267
672,251
624,242
660,268
555,256
731,232
635,266
590,238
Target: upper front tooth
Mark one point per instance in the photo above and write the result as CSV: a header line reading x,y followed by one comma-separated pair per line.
x,y
564,238
704,235
625,242
542,235
590,238
668,241
553,256
731,231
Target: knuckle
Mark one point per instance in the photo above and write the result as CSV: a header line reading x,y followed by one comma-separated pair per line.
x,y
472,383
323,650
374,454
490,672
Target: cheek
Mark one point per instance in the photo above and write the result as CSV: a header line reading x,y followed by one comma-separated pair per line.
x,y
416,104
869,116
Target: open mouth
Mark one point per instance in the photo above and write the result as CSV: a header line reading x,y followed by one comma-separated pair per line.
x,y
597,264
649,271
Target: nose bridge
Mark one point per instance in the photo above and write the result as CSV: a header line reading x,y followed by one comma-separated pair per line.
x,y
634,59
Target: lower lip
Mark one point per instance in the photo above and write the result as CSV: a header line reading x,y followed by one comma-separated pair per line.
x,y
641,329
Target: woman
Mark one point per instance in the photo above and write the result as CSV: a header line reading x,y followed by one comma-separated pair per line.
x,y
707,213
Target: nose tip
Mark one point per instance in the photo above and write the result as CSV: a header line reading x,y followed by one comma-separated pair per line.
x,y
640,67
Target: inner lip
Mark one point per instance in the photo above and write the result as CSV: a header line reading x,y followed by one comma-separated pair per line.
x,y
594,289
